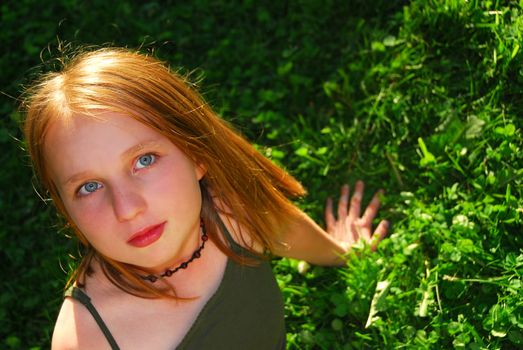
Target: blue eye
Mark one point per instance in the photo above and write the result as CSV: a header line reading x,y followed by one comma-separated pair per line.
x,y
145,161
89,188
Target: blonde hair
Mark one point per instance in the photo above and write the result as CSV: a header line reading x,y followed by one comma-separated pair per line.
x,y
253,189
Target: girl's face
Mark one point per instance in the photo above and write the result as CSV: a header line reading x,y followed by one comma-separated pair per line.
x,y
132,193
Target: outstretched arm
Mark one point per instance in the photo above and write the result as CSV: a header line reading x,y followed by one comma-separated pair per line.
x,y
303,239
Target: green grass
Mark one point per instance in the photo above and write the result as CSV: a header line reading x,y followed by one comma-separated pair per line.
x,y
421,98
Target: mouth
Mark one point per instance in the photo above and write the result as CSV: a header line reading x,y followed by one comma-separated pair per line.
x,y
147,236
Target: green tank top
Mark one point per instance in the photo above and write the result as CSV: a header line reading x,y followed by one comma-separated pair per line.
x,y
245,312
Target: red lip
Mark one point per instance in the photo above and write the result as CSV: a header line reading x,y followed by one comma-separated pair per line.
x,y
147,236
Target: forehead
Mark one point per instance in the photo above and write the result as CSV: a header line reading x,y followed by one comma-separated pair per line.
x,y
80,128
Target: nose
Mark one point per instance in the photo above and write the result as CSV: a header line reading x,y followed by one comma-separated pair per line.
x,y
127,202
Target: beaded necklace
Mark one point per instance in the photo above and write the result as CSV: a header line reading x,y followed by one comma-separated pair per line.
x,y
197,253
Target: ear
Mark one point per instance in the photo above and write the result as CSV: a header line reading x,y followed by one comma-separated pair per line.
x,y
200,170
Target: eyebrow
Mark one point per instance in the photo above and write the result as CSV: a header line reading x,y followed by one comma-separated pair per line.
x,y
126,154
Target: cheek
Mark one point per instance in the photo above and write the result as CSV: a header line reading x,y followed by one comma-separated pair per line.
x,y
178,189
89,217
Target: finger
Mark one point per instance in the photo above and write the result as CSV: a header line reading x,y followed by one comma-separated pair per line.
x,y
355,203
330,221
380,233
363,231
342,204
372,209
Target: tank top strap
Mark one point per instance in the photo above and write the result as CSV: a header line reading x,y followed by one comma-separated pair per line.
x,y
235,246
80,296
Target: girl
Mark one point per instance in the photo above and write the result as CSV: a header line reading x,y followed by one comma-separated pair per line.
x,y
177,212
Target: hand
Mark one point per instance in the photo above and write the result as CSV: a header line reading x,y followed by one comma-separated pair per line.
x,y
349,227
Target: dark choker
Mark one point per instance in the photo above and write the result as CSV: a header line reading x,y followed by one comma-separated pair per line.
x,y
197,253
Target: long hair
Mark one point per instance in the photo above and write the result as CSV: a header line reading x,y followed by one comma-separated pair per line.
x,y
248,187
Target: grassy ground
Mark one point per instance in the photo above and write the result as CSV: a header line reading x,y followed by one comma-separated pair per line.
x,y
421,98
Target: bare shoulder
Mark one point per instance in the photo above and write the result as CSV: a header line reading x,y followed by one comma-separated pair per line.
x,y
76,328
